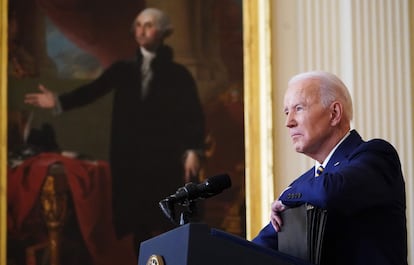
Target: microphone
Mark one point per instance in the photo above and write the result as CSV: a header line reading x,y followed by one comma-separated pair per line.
x,y
210,187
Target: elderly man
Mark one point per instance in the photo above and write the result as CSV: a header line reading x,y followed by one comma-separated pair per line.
x,y
359,183
157,131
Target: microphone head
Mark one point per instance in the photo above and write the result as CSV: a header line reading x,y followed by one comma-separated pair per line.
x,y
215,184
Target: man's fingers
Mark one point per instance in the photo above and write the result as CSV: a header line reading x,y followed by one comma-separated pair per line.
x,y
31,98
34,98
277,226
276,221
43,88
277,206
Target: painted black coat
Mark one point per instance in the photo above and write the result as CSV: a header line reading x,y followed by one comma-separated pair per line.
x,y
148,136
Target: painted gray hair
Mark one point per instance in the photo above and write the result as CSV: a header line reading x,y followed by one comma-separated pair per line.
x,y
163,22
331,88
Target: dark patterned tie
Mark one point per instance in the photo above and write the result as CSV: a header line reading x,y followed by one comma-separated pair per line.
x,y
319,171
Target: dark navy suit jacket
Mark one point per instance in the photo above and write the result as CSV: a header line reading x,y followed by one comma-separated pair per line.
x,y
363,189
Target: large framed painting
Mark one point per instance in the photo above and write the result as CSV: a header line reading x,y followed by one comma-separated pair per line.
x,y
62,45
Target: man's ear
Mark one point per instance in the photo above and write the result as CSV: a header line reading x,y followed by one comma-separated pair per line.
x,y
336,109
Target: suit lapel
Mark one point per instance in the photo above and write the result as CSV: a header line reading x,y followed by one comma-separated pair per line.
x,y
344,150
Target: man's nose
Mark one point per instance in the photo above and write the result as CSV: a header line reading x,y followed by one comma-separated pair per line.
x,y
290,121
139,31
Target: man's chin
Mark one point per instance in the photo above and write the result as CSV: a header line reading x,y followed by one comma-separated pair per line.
x,y
298,148
149,48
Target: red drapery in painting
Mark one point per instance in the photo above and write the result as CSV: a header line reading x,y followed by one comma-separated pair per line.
x,y
90,186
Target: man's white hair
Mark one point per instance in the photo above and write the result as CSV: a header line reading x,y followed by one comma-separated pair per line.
x,y
162,21
331,88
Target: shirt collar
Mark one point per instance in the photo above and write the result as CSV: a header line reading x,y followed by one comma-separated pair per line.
x,y
147,54
325,162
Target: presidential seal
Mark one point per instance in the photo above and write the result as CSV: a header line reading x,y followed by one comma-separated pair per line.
x,y
155,260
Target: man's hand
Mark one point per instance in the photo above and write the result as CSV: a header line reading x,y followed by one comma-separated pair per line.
x,y
191,165
45,99
275,219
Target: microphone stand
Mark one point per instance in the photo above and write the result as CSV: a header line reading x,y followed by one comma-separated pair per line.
x,y
187,195
188,211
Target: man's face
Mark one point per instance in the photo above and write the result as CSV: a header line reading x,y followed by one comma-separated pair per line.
x,y
147,33
307,119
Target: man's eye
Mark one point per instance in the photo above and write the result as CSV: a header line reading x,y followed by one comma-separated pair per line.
x,y
299,108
